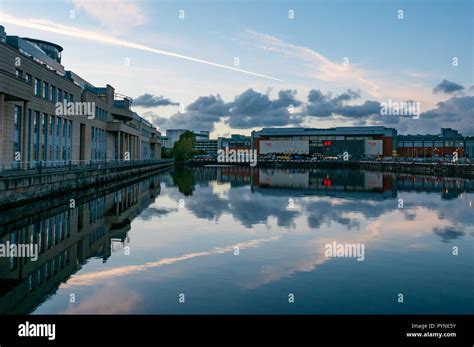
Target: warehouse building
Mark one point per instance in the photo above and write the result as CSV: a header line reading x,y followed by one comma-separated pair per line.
x,y
356,141
435,146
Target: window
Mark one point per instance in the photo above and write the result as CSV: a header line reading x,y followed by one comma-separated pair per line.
x,y
44,90
19,73
28,78
36,121
69,150
44,132
54,94
58,139
17,131
37,87
28,137
60,95
64,142
51,137
66,97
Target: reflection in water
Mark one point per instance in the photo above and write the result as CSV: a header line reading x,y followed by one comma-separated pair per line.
x,y
239,239
66,240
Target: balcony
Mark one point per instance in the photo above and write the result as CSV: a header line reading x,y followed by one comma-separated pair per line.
x,y
121,107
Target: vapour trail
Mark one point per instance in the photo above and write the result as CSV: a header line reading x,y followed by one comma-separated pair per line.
x,y
99,37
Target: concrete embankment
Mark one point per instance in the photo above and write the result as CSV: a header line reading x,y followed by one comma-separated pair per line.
x,y
28,186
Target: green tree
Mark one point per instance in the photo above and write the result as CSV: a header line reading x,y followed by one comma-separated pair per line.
x,y
166,152
183,149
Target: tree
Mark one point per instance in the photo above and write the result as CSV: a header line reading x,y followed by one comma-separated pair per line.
x,y
183,148
166,152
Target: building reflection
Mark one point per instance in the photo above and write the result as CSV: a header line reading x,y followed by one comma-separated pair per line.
x,y
66,240
342,183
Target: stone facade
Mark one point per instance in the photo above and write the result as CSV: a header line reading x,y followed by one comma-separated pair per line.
x,y
31,130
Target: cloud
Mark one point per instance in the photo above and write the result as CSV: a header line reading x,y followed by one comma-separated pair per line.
x,y
315,64
248,110
147,100
447,87
457,112
253,109
320,105
117,15
202,114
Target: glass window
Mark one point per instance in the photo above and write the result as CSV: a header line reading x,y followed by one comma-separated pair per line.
x,y
70,140
37,87
54,95
36,122
29,78
44,127
45,90
64,143
28,137
58,139
17,131
52,121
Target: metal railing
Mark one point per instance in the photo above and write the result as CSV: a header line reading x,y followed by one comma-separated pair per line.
x,y
18,168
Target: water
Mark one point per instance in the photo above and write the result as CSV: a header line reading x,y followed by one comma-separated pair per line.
x,y
237,240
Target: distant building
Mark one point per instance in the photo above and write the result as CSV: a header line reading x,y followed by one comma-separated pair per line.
x,y
166,142
469,146
357,141
208,146
433,146
202,135
235,141
173,136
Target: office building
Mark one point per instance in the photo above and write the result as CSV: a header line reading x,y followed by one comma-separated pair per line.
x,y
50,114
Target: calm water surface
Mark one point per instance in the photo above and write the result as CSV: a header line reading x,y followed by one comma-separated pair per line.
x,y
240,240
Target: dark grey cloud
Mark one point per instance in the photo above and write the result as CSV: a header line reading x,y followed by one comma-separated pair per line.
x,y
253,109
249,109
325,106
148,100
456,112
447,87
202,114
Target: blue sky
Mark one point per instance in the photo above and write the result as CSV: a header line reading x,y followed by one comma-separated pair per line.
x,y
388,58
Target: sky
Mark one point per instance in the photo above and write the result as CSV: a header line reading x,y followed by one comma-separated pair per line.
x,y
236,66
